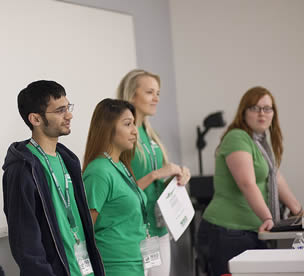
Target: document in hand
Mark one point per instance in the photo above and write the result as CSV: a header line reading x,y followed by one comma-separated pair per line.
x,y
176,208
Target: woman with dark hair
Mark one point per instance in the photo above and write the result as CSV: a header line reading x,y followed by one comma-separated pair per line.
x,y
116,203
247,183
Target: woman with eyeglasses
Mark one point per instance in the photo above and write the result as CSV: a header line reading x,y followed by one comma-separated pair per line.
x,y
117,204
150,164
247,182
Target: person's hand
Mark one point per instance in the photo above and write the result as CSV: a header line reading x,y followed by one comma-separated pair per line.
x,y
185,177
299,213
267,225
168,170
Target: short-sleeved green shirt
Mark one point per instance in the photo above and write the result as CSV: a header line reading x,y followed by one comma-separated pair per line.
x,y
142,167
63,223
229,208
119,227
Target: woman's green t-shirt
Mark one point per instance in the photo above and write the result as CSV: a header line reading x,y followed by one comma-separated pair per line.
x,y
119,227
228,207
141,166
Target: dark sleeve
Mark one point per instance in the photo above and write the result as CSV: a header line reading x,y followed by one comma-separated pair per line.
x,y
21,200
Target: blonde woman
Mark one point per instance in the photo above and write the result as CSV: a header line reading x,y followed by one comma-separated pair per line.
x,y
150,164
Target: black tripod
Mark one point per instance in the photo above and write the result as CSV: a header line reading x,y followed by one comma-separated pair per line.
x,y
201,186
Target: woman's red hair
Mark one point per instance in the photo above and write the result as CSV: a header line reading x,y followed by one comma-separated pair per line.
x,y
251,98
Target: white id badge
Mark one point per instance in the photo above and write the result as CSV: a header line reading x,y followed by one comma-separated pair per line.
x,y
150,252
82,258
160,222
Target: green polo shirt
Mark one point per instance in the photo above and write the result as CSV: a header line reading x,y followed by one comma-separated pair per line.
x,y
119,227
63,223
141,167
229,208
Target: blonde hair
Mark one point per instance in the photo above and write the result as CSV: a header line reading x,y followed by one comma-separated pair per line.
x,y
126,91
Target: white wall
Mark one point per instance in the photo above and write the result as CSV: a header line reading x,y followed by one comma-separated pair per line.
x,y
154,53
78,50
221,49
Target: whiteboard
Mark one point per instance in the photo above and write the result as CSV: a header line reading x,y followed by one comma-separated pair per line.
x,y
87,50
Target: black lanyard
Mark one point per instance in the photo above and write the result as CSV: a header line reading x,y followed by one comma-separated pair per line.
x,y
65,199
132,184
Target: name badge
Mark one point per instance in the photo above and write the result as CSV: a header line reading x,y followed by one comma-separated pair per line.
x,y
153,144
150,252
82,258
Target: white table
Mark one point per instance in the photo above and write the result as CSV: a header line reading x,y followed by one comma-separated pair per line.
x,y
268,262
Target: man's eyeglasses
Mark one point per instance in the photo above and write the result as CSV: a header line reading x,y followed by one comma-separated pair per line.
x,y
63,109
258,109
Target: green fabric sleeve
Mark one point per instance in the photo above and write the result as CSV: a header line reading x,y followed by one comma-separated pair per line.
x,y
97,189
236,140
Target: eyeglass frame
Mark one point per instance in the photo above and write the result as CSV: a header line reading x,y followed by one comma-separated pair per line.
x,y
63,109
258,109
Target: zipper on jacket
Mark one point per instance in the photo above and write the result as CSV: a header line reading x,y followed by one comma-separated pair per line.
x,y
42,200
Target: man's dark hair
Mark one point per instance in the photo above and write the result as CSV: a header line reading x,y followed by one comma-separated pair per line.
x,y
36,96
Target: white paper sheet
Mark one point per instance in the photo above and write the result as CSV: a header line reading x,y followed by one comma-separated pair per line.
x,y
176,208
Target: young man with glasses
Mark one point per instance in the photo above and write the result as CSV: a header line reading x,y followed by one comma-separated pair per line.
x,y
50,228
